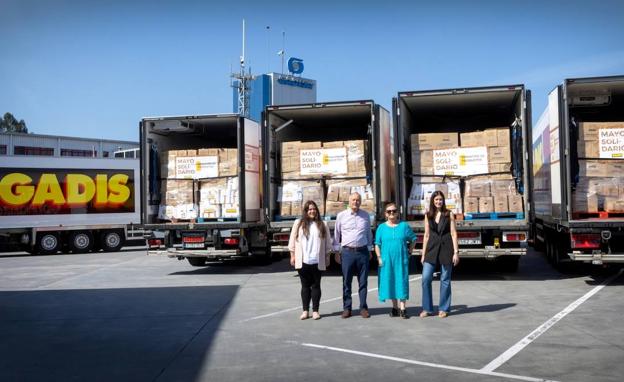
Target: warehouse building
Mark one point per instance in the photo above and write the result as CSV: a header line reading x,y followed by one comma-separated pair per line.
x,y
61,146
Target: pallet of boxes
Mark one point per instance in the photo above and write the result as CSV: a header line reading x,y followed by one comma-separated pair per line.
x,y
325,172
199,185
424,183
482,159
600,188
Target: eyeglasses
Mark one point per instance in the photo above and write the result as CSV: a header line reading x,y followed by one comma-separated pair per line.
x,y
391,211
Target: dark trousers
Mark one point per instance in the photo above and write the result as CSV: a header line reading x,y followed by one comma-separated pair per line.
x,y
310,277
354,262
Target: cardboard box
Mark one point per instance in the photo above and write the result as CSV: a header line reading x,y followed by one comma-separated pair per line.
x,y
416,207
422,159
593,168
490,138
480,187
290,149
209,211
285,208
613,204
503,137
333,144
584,202
615,167
500,203
230,210
486,204
588,149
333,193
296,208
515,203
434,141
290,164
588,131
503,187
333,208
345,191
471,205
499,167
368,206
499,154
207,152
228,168
472,139
310,145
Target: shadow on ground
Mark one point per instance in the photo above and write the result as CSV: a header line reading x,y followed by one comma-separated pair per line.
x,y
109,334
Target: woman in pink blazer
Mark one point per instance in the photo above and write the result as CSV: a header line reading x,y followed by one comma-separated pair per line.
x,y
309,245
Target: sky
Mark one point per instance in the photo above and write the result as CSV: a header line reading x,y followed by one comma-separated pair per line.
x,y
95,68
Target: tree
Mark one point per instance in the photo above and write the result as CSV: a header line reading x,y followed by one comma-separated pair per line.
x,y
9,124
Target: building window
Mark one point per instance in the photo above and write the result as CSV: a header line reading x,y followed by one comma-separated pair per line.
x,y
29,150
3,150
77,153
105,154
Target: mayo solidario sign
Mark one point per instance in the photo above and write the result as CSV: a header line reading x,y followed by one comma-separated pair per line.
x,y
29,191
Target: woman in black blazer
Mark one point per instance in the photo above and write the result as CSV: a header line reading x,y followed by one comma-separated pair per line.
x,y
439,247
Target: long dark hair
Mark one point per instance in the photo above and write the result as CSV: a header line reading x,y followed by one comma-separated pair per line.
x,y
432,208
306,221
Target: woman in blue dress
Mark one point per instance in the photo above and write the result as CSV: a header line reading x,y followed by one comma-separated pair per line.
x,y
394,243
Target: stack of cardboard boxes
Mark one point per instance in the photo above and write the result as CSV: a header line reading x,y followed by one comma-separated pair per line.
x,y
494,192
330,160
422,189
485,194
217,197
601,181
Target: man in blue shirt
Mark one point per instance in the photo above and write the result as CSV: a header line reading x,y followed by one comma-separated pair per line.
x,y
354,238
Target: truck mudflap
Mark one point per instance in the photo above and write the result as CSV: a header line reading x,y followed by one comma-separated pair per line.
x,y
490,253
597,257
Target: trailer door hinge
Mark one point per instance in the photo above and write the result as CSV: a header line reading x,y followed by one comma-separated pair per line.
x,y
398,110
399,160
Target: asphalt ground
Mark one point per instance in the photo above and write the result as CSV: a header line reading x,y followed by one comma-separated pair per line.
x,y
131,317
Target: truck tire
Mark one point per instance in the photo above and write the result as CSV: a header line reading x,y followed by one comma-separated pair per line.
x,y
111,241
197,261
48,243
80,241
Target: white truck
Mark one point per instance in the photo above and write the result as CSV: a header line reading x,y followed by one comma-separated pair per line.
x,y
578,173
472,144
202,180
69,204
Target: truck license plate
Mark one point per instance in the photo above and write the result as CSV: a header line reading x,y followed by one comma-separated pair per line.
x,y
469,241
193,245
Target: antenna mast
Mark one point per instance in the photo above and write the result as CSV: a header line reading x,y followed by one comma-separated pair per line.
x,y
241,82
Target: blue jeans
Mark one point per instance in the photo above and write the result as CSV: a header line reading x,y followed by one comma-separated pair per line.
x,y
354,262
445,287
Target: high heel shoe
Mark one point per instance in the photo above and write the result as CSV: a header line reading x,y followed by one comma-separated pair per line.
x,y
394,312
403,313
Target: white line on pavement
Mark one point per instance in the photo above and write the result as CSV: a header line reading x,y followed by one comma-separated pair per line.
x,y
515,349
428,364
322,302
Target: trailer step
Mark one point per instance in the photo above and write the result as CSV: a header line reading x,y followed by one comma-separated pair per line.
x,y
579,215
493,215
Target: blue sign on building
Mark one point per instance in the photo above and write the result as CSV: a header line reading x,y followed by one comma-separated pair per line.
x,y
295,65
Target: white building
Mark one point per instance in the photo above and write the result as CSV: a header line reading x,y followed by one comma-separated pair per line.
x,y
56,145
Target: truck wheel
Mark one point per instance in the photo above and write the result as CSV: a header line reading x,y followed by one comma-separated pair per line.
x,y
197,261
111,241
80,241
48,243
